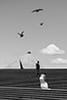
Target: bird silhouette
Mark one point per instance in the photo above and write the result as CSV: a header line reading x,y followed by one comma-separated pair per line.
x,y
41,24
29,52
37,10
21,34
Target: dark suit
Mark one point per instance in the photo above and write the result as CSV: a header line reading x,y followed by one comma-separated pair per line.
x,y
38,68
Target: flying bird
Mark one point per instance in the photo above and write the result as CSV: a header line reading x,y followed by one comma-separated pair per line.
x,y
37,10
29,52
41,24
21,34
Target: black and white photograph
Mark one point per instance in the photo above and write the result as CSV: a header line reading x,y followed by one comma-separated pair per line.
x,y
33,49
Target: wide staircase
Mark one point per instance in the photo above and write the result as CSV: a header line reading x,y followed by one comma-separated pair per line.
x,y
24,84
19,78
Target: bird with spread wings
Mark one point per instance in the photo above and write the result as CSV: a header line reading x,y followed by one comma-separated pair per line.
x,y
37,10
21,34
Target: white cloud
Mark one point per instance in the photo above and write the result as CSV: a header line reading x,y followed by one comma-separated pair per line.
x,y
52,49
59,61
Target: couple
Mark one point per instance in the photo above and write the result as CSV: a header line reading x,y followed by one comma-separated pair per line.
x,y
43,83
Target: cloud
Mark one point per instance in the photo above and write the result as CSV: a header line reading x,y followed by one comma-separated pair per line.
x,y
52,49
59,61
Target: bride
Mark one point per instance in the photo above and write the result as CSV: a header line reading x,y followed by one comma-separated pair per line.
x,y
43,83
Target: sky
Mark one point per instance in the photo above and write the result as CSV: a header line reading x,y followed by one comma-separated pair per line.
x,y
17,16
